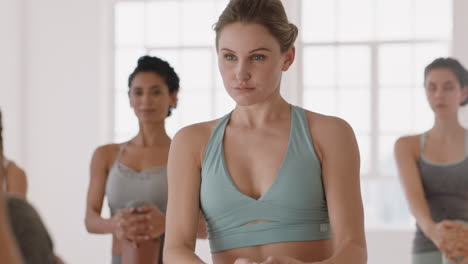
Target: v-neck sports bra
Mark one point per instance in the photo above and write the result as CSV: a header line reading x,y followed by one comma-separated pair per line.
x,y
294,208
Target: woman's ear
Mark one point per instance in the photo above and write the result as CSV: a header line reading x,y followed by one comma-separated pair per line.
x,y
174,99
129,100
289,56
464,95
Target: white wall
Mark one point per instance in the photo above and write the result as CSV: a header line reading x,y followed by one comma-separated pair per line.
x,y
10,76
460,43
52,91
62,99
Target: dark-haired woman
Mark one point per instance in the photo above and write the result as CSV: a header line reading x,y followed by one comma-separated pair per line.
x,y
433,169
132,175
14,180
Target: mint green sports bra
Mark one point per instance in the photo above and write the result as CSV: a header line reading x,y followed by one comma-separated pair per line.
x,y
294,208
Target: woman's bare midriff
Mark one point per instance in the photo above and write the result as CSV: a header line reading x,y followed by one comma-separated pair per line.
x,y
307,251
117,250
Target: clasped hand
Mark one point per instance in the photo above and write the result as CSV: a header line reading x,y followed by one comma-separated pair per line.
x,y
452,240
139,224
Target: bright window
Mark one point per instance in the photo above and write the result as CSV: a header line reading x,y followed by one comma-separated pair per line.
x,y
364,61
179,32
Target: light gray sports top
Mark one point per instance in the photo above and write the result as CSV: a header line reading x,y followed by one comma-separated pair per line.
x,y
126,187
446,192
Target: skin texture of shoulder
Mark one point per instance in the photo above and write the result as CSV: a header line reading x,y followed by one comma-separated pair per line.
x,y
326,130
105,155
196,137
408,146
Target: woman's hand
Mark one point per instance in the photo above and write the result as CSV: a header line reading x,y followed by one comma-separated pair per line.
x,y
461,247
153,225
445,236
124,221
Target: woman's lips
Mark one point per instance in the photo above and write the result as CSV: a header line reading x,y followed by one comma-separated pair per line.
x,y
244,89
147,111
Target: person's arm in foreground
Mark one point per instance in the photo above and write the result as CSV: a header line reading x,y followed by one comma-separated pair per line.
x,y
8,251
183,203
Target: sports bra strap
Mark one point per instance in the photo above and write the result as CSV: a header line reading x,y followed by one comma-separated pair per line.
x,y
422,141
121,150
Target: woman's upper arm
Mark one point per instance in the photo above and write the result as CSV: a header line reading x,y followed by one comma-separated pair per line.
x,y
16,180
341,178
184,166
98,178
406,159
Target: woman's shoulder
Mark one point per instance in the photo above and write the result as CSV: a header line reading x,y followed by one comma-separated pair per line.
x,y
197,131
194,138
107,153
320,124
408,143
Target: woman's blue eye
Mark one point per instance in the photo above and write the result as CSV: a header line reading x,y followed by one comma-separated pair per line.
x,y
258,57
229,57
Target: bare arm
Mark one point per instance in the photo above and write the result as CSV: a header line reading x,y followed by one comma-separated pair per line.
x,y
444,233
202,233
340,173
95,223
16,181
406,158
183,203
9,252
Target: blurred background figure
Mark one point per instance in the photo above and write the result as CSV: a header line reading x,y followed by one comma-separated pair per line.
x,y
433,169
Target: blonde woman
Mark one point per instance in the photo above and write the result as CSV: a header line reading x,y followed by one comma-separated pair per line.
x,y
275,182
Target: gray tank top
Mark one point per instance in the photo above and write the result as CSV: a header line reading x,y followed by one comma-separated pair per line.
x,y
446,192
126,187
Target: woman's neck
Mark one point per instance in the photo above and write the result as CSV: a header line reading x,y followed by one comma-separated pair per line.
x,y
151,134
259,114
447,127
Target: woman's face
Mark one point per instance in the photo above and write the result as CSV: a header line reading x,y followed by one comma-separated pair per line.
x,y
150,97
443,91
251,63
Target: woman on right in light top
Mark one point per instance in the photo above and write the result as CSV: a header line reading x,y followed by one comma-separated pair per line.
x,y
433,169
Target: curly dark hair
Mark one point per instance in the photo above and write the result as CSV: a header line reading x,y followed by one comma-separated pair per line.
x,y
161,68
454,66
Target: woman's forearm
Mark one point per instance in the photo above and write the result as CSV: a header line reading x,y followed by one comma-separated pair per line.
x,y
352,252
99,225
181,256
421,213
